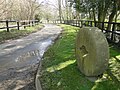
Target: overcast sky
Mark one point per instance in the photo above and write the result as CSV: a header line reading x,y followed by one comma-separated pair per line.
x,y
51,1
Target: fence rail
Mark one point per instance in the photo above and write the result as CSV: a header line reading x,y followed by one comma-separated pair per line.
x,y
17,24
110,29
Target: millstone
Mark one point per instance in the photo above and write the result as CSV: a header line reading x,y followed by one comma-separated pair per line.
x,y
92,51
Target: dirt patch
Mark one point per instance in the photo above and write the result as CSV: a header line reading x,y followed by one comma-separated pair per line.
x,y
22,78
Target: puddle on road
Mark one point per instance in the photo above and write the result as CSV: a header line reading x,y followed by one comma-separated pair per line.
x,y
9,46
29,57
34,56
22,68
44,46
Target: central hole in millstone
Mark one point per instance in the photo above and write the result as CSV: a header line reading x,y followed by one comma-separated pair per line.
x,y
83,51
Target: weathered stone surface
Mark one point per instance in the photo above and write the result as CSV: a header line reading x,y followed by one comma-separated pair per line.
x,y
92,51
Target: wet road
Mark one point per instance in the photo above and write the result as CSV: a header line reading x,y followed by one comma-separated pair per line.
x,y
20,58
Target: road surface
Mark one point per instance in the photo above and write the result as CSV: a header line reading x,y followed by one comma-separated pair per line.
x,y
20,58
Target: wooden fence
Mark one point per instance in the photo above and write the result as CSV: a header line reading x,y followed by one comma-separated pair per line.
x,y
111,30
17,24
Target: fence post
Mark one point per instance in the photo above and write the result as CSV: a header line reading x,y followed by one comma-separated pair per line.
x,y
113,29
95,23
32,23
18,25
88,23
91,23
24,24
29,23
7,25
102,26
81,24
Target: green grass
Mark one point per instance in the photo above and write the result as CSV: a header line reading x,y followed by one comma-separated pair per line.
x,y
59,68
15,34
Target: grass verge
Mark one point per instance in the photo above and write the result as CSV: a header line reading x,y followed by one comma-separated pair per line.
x,y
15,34
59,68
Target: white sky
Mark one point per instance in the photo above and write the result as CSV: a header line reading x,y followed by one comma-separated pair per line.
x,y
51,1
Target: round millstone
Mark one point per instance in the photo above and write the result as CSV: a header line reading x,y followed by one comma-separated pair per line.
x,y
92,51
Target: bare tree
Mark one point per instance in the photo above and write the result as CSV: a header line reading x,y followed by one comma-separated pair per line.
x,y
60,11
19,9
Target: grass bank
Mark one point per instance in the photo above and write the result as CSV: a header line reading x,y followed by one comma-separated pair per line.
x,y
59,68
15,34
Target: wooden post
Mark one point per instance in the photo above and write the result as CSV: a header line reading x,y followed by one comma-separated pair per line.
x,y
7,25
81,24
29,23
24,25
32,23
18,25
95,23
102,26
113,29
91,23
88,23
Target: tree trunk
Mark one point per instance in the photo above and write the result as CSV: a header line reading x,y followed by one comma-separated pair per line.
x,y
66,6
94,15
90,16
60,12
117,14
112,15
